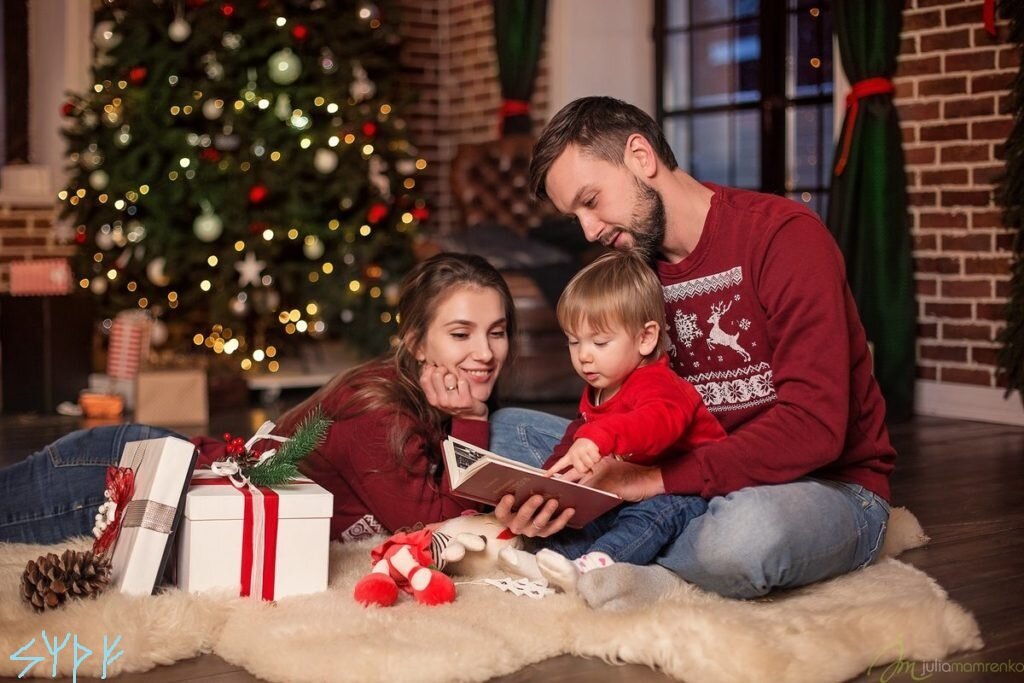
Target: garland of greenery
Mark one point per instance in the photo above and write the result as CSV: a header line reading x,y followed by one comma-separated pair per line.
x,y
1010,195
283,466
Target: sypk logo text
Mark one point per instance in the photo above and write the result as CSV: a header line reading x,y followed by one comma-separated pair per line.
x,y
79,653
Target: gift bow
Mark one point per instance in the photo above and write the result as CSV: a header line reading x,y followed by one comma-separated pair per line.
x,y
229,467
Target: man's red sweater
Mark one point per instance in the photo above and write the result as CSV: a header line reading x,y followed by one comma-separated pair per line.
x,y
763,324
653,416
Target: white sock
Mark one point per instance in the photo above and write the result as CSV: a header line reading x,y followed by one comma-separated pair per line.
x,y
594,560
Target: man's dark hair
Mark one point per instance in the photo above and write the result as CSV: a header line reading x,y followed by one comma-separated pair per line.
x,y
600,126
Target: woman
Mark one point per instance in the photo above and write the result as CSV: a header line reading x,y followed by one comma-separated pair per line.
x,y
382,456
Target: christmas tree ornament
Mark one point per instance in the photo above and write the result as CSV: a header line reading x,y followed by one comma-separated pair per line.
x,y
137,75
105,37
212,109
369,129
91,158
67,109
227,9
369,12
136,231
312,247
300,32
207,226
249,270
362,88
155,272
231,41
179,30
210,154
421,213
158,333
325,160
283,107
211,66
406,167
98,285
98,180
89,119
258,193
123,137
378,177
377,212
239,305
328,62
226,142
104,240
284,67
49,581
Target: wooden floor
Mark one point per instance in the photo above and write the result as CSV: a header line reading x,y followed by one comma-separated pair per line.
x,y
963,480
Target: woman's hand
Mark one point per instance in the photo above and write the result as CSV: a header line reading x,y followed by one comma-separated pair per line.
x,y
534,518
446,392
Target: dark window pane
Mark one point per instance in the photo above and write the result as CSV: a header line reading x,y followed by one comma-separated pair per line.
x,y
812,200
803,156
810,53
711,140
677,71
677,131
726,65
705,11
746,150
678,13
747,8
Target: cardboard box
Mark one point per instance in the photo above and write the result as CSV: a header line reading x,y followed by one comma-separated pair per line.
x,y
163,468
171,397
289,557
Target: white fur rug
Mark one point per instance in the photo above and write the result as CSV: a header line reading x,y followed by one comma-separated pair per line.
x,y
827,632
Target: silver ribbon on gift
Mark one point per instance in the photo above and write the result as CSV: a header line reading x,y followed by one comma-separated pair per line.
x,y
149,514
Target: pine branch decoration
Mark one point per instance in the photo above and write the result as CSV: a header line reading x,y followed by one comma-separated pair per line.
x,y
1010,195
283,466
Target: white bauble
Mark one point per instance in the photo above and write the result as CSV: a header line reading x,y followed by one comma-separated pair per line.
x,y
179,30
98,180
212,109
104,240
157,333
105,35
91,158
238,306
208,226
313,248
406,166
325,160
284,67
98,285
123,136
155,272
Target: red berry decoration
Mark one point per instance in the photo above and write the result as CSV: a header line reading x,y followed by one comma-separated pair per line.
x,y
137,75
377,213
369,129
227,437
300,32
258,193
67,109
227,9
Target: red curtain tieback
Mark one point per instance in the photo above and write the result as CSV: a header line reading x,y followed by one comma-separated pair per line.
x,y
858,91
989,16
514,108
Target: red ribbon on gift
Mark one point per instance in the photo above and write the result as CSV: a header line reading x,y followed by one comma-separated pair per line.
x,y
259,537
120,483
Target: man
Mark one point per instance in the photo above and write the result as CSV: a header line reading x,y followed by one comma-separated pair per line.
x,y
762,322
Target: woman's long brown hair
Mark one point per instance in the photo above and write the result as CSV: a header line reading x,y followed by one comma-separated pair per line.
x,y
391,381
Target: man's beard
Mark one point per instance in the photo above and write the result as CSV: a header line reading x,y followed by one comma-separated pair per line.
x,y
647,224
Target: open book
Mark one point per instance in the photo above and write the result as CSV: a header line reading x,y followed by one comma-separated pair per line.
x,y
485,477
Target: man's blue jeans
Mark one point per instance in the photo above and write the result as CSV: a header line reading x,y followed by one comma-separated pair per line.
x,y
54,493
750,541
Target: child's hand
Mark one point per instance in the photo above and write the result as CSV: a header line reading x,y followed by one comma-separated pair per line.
x,y
581,456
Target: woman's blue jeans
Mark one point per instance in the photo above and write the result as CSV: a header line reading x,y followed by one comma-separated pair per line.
x,y
54,493
750,541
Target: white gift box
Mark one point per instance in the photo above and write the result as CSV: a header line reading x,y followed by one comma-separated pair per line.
x,y
230,538
162,469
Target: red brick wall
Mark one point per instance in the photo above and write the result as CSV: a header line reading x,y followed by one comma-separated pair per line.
x,y
449,59
952,89
27,234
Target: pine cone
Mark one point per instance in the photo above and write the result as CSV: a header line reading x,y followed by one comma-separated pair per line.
x,y
50,580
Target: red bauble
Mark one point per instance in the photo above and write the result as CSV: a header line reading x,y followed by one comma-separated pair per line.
x,y
369,129
258,193
137,75
421,213
80,236
67,109
377,213
210,154
227,9
300,32
257,227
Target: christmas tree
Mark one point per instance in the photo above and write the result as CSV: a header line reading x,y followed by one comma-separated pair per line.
x,y
240,170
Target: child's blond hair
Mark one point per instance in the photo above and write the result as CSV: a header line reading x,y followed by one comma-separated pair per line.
x,y
618,289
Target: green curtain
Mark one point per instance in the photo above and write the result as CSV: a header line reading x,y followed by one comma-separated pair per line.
x,y
518,32
1010,195
868,200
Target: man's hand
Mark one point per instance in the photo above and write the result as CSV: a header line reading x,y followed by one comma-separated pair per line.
x,y
631,482
534,516
582,456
